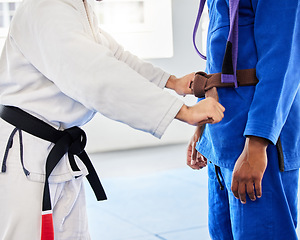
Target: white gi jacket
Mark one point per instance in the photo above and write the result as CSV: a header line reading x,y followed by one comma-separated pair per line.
x,y
60,67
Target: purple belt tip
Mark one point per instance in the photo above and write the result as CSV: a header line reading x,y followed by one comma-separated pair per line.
x,y
229,78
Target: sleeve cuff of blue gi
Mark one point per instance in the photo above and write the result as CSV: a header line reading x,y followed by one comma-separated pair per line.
x,y
263,130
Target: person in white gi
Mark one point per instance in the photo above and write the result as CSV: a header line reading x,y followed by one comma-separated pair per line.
x,y
58,66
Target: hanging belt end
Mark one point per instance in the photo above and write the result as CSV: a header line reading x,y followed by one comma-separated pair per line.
x,y
229,78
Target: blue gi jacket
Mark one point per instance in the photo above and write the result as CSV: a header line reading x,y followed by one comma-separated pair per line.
x,y
272,107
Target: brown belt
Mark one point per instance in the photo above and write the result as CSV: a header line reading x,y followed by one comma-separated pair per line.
x,y
204,82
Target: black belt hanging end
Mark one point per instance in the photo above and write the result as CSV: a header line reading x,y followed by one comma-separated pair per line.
x,y
280,155
218,173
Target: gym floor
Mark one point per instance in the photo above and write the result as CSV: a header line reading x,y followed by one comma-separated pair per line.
x,y
152,195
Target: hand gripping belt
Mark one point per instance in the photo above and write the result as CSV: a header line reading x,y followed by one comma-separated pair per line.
x,y
71,141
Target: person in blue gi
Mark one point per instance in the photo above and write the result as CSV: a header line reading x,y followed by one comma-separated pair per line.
x,y
253,154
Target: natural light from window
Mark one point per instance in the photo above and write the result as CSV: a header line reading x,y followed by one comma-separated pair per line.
x,y
142,26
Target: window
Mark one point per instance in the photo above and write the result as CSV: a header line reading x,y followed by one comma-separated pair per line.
x,y
142,26
122,15
7,10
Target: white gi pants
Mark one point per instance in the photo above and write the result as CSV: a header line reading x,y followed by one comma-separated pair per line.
x,y
21,206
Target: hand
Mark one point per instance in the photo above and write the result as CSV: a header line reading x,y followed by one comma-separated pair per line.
x,y
195,159
181,85
249,169
205,111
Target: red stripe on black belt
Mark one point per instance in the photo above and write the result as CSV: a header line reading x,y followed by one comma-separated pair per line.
x,y
47,226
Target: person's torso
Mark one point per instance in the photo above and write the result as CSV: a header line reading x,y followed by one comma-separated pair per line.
x,y
222,143
24,86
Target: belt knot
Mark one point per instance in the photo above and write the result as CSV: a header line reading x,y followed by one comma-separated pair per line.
x,y
199,84
77,140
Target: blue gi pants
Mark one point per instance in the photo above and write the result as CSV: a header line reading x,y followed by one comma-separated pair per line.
x,y
273,216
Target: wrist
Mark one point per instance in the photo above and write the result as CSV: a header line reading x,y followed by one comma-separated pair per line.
x,y
257,142
171,82
183,114
199,131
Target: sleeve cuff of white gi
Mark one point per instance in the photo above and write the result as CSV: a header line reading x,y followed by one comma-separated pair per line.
x,y
170,115
164,79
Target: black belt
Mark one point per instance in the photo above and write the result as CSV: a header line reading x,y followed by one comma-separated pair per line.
x,y
71,141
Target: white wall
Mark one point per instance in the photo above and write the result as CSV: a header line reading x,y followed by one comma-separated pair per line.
x,y
2,40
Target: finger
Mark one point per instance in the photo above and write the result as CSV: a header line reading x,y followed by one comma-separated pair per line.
x,y
204,159
189,154
250,191
190,80
201,130
234,188
196,165
196,162
217,117
216,114
191,86
222,108
189,160
242,192
208,120
220,116
188,90
201,160
258,190
202,164
194,151
220,111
